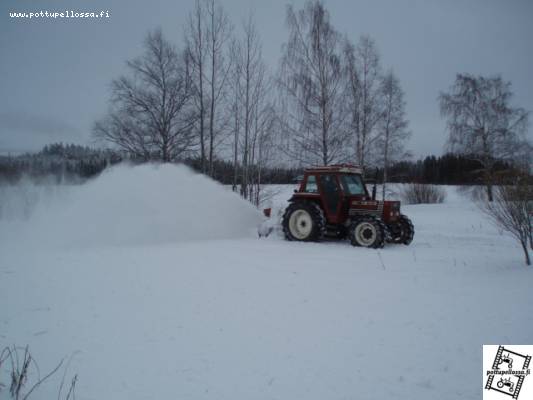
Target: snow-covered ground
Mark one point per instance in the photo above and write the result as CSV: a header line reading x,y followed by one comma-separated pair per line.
x,y
146,314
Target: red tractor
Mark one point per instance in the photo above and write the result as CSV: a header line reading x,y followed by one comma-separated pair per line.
x,y
333,201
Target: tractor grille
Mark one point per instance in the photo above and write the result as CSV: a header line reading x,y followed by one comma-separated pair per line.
x,y
366,211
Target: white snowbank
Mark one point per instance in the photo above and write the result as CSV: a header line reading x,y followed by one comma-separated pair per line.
x,y
138,205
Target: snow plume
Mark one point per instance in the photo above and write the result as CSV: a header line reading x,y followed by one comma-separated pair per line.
x,y
137,205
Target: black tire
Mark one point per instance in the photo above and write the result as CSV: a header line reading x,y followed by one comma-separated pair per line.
x,y
401,231
407,230
312,222
367,231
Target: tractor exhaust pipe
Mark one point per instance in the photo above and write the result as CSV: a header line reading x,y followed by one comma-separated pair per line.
x,y
374,188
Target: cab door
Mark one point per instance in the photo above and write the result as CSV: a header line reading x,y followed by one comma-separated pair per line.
x,y
331,195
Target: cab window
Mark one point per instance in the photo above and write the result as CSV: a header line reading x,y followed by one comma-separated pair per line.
x,y
352,184
310,185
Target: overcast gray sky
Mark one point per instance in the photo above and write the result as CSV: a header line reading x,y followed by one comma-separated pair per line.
x,y
55,74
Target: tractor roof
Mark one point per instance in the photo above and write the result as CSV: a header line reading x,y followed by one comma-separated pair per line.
x,y
337,168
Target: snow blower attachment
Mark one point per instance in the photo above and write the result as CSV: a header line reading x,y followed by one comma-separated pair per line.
x,y
333,201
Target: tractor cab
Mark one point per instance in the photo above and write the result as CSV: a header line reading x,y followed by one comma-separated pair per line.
x,y
333,187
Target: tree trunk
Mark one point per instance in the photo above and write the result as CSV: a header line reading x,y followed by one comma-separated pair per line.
x,y
235,150
247,112
201,95
487,177
487,161
490,195
202,138
385,163
252,157
324,131
164,150
358,147
384,182
257,194
526,251
212,114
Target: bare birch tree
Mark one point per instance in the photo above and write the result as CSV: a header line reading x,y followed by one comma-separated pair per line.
x,y
250,75
235,108
364,71
512,211
392,126
208,36
219,33
196,42
263,141
312,85
150,114
481,122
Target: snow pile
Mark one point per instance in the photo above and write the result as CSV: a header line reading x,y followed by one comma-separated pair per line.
x,y
139,205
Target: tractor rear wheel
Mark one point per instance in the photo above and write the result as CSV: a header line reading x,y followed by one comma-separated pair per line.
x,y
367,231
303,221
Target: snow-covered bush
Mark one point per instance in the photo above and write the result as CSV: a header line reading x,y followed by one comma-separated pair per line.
x,y
418,193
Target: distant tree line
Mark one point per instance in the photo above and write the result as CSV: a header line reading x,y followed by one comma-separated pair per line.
x,y
58,163
448,169
70,163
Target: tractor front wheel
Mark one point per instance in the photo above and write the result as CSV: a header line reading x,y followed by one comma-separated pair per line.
x,y
407,230
304,222
367,231
402,231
